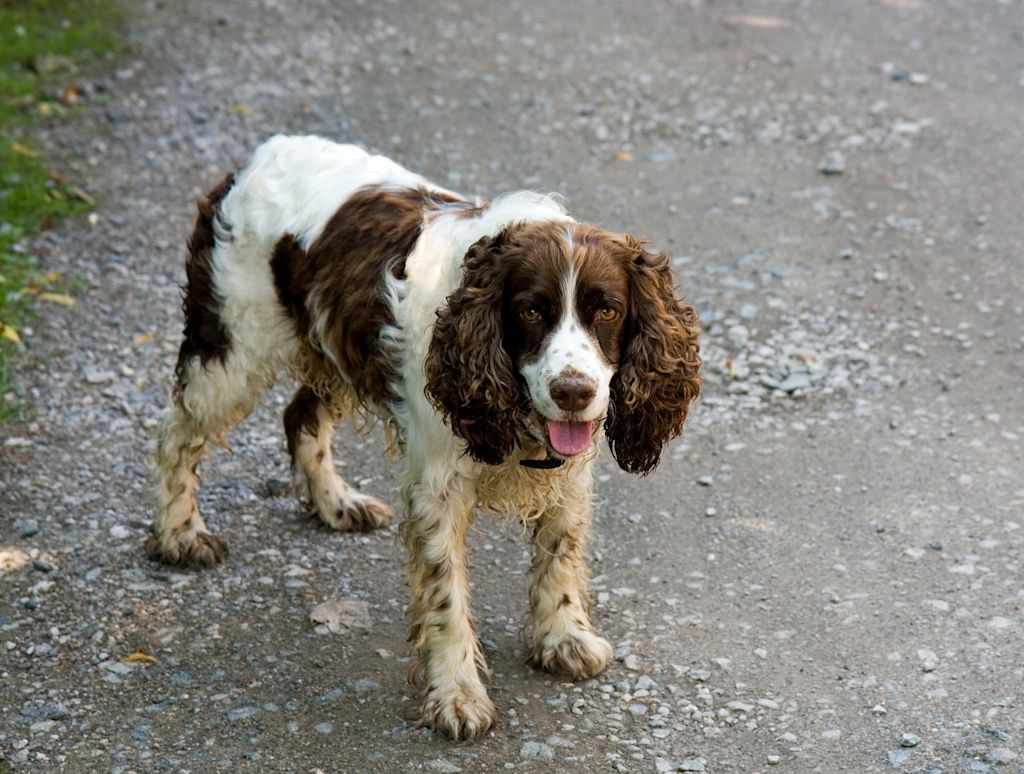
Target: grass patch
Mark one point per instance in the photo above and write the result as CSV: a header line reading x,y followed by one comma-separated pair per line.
x,y
43,43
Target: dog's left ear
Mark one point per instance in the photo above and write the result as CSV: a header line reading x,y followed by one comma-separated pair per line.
x,y
659,372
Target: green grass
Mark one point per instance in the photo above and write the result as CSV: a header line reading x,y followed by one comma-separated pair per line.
x,y
44,44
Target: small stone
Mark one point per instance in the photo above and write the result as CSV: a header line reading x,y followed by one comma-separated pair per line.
x,y
119,532
365,686
692,764
832,733
324,728
117,667
55,711
706,480
910,740
644,683
29,527
560,741
443,765
536,751
897,757
632,662
242,713
834,164
774,760
276,487
794,382
40,566
96,376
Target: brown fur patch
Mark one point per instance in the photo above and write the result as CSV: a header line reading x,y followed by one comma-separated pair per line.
x,y
373,232
659,371
205,334
301,416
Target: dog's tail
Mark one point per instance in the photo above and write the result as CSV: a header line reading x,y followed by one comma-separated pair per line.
x,y
206,336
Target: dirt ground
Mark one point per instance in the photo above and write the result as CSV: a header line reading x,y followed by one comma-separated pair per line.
x,y
826,572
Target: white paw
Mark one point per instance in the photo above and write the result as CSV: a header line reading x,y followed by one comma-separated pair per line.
x,y
578,654
459,713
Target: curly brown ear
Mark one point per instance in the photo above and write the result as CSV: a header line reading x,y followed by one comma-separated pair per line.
x,y
659,372
470,377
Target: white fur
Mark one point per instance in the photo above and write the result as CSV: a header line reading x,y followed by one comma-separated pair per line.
x,y
569,348
293,185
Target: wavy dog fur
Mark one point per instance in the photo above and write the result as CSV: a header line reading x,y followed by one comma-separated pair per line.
x,y
493,338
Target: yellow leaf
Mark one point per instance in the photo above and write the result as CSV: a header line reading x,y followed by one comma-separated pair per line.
x,y
24,150
57,298
49,278
240,110
140,655
142,338
622,155
7,332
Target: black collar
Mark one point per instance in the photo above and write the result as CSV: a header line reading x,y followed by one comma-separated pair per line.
x,y
548,463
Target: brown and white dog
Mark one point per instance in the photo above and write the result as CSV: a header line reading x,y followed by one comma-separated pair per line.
x,y
495,340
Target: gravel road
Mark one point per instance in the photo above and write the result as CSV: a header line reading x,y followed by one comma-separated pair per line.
x,y
826,573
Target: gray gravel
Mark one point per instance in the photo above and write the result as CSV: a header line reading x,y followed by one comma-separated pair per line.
x,y
838,185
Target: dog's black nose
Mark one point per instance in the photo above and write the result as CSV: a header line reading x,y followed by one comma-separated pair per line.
x,y
572,393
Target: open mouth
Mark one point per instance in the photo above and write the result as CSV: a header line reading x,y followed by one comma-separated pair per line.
x,y
569,438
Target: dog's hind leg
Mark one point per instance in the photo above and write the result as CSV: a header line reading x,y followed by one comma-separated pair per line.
x,y
208,401
235,339
309,427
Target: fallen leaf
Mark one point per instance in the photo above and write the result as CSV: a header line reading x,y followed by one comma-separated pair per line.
x,y
341,615
7,332
56,298
49,278
142,338
760,22
240,110
140,655
72,94
622,155
24,150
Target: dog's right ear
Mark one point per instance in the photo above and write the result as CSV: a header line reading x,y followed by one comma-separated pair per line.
x,y
471,379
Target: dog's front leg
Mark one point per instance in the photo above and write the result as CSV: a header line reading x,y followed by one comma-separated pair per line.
x,y
441,627
564,641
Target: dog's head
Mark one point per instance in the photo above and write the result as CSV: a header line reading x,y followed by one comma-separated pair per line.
x,y
556,329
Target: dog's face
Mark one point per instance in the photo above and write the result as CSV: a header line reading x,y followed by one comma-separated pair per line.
x,y
564,308
557,329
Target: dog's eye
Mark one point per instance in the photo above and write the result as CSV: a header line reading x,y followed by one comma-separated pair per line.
x,y
530,314
606,314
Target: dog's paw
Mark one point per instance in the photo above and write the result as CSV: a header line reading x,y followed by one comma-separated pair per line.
x,y
354,512
459,713
578,654
190,549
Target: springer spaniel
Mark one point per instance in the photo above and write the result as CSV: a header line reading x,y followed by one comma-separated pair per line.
x,y
493,340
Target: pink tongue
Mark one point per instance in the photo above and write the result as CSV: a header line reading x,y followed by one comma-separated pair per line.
x,y
570,437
